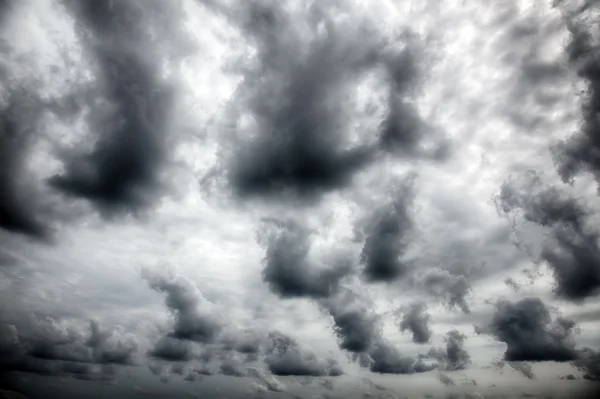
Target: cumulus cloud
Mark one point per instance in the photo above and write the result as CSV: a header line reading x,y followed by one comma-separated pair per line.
x,y
295,90
387,359
388,234
416,319
581,152
285,356
194,319
523,368
20,113
121,171
47,346
454,356
450,288
289,269
572,251
530,333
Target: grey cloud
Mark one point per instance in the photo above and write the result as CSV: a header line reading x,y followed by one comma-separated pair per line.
x,y
527,328
387,359
416,319
572,253
523,368
581,152
286,357
19,125
121,172
388,233
512,284
294,89
44,346
232,366
289,270
589,362
193,320
356,327
452,289
454,356
171,349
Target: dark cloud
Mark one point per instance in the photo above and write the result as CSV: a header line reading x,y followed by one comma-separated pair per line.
x,y
388,233
588,361
512,284
295,89
387,359
171,349
356,327
530,334
523,368
290,272
284,356
121,172
454,356
47,347
232,366
581,152
452,289
572,251
193,318
416,319
20,116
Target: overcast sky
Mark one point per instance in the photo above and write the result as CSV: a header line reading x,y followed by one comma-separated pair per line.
x,y
299,199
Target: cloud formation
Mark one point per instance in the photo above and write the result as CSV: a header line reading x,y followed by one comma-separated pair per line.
x,y
572,252
416,319
530,333
121,171
388,233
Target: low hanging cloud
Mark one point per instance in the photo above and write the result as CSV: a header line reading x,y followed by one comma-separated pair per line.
x,y
45,346
416,319
388,234
523,368
385,358
284,356
454,356
289,270
530,333
194,319
121,171
572,251
451,289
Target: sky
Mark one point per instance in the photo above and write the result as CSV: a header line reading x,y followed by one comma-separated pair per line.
x,y
299,199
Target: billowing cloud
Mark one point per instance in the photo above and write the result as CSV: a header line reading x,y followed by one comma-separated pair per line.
x,y
388,234
530,333
416,319
297,100
121,171
46,346
286,357
581,152
451,289
194,319
454,356
572,251
289,270
387,359
20,113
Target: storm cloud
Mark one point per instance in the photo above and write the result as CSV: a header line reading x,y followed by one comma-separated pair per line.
x,y
121,171
388,234
530,333
416,319
454,356
580,153
194,320
572,252
295,92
